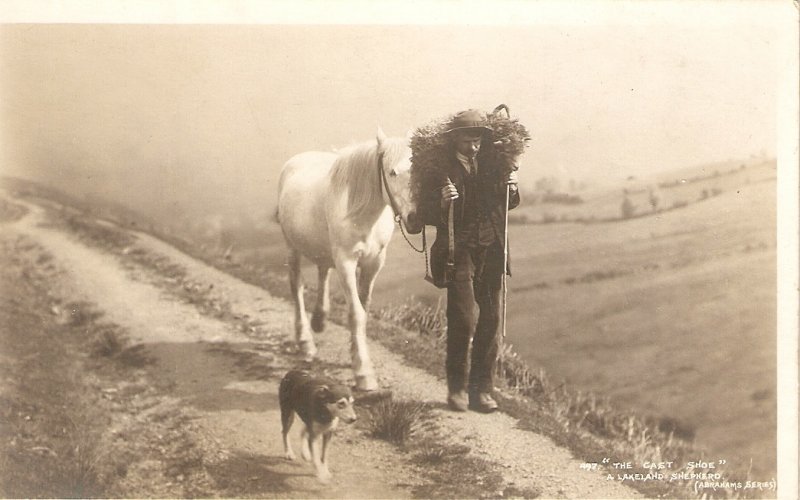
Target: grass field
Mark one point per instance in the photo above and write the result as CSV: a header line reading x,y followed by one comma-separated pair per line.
x,y
672,190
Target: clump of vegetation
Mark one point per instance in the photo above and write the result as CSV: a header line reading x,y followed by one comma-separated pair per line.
x,y
107,342
706,194
518,218
452,472
548,218
628,208
562,198
417,317
679,204
435,454
79,472
11,211
81,313
395,420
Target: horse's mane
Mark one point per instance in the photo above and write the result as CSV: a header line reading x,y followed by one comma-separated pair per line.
x,y
356,172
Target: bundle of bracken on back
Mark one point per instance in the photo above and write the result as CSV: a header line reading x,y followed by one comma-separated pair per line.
x,y
429,156
509,137
430,152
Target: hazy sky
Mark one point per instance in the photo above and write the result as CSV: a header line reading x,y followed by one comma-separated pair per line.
x,y
207,114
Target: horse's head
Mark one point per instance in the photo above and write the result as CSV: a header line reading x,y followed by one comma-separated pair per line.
x,y
509,140
505,159
395,162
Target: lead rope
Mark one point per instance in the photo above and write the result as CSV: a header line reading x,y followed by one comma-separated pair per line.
x,y
423,250
382,185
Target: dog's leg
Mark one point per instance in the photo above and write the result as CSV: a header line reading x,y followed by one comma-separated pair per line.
x,y
305,438
287,418
326,439
315,443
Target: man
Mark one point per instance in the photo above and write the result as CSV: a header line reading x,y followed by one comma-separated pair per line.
x,y
477,189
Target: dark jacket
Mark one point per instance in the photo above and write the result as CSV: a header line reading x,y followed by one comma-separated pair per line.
x,y
478,212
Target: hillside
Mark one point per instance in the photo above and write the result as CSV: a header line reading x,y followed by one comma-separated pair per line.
x,y
671,314
671,190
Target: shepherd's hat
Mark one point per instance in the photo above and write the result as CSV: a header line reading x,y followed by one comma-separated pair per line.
x,y
469,120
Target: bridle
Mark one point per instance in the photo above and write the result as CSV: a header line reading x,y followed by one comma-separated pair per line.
x,y
383,185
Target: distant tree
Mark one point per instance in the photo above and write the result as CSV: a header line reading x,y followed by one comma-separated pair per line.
x,y
655,198
549,218
549,184
517,218
574,185
628,208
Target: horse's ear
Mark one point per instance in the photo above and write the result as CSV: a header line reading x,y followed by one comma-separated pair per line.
x,y
381,137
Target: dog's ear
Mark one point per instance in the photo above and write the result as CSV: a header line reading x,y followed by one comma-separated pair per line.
x,y
322,393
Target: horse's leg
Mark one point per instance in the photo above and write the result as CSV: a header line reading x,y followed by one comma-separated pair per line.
x,y
323,300
362,365
301,327
366,278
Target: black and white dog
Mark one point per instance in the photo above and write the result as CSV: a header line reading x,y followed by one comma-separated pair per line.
x,y
320,403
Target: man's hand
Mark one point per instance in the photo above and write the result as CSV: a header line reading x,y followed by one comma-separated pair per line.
x,y
449,193
512,180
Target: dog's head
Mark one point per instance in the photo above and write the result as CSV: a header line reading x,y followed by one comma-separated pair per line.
x,y
338,400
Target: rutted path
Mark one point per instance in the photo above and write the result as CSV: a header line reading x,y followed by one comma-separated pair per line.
x,y
231,380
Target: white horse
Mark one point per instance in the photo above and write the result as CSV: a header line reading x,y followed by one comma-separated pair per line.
x,y
338,210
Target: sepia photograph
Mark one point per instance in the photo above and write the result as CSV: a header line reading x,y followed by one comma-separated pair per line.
x,y
443,249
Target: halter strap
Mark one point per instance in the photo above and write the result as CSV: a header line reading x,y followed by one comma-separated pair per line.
x,y
383,184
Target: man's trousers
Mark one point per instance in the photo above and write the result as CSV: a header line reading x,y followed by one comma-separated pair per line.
x,y
478,280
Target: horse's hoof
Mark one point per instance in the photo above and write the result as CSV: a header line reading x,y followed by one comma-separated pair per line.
x,y
308,349
366,383
318,321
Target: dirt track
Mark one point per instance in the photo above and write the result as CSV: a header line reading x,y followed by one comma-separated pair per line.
x,y
222,378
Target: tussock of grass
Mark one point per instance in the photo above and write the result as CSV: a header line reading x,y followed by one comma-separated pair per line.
x,y
81,313
107,342
108,237
435,453
395,420
452,472
10,211
80,470
416,317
